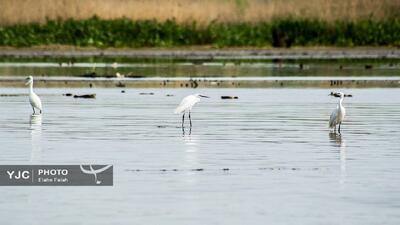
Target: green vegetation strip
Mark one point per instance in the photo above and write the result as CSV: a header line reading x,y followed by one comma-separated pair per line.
x,y
278,33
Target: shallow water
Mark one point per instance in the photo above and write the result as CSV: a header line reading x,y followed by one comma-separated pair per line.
x,y
282,165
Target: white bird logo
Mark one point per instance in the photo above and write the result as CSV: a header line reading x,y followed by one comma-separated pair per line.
x,y
94,172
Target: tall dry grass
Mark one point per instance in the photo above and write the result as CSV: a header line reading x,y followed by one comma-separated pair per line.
x,y
201,11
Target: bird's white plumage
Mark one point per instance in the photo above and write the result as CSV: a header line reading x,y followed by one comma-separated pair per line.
x,y
187,103
34,99
338,114
332,118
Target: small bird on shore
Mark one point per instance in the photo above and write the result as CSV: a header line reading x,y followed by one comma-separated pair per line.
x,y
187,104
339,113
118,75
33,98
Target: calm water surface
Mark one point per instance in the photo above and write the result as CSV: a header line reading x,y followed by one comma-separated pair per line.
x,y
284,165
198,68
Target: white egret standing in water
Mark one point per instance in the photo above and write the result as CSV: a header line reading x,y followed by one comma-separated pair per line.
x,y
187,104
339,113
33,98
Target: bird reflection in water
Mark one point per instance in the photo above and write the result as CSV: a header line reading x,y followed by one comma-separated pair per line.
x,y
36,136
35,121
191,158
184,133
337,140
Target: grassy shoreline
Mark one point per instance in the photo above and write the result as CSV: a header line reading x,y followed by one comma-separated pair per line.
x,y
125,33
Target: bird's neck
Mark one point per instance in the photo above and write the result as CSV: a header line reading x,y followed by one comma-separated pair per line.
x,y
340,103
31,87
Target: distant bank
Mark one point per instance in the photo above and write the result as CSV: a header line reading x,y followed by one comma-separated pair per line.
x,y
207,53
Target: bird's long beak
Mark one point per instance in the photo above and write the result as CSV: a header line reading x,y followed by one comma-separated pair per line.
x,y
203,96
27,82
348,95
335,95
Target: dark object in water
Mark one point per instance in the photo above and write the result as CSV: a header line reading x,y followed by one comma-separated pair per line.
x,y
95,75
85,96
169,95
200,169
11,95
335,94
122,91
150,93
68,94
368,67
229,97
225,169
91,74
134,76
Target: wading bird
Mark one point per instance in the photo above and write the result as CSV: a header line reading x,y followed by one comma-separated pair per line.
x,y
187,104
33,98
339,113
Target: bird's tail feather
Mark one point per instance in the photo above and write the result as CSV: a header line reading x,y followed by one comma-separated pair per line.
x,y
331,124
178,110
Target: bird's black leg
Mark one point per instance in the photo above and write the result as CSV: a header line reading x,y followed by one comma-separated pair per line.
x,y
40,112
190,119
183,125
33,111
339,127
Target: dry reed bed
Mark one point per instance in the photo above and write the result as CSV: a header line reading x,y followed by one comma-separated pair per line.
x,y
201,11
